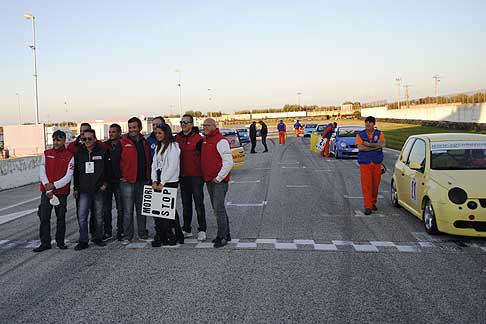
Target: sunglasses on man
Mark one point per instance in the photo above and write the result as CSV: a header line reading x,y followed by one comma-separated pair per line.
x,y
183,122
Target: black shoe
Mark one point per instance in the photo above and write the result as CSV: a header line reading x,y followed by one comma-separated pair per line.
x,y
216,240
220,243
171,243
228,238
81,246
374,208
41,248
367,211
107,236
181,240
99,243
62,246
252,152
119,237
156,243
265,151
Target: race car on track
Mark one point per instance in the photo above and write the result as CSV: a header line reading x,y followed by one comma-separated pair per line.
x,y
309,128
343,141
440,178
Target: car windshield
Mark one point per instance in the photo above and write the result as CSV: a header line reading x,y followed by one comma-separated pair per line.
x,y
348,132
242,130
321,127
462,159
310,125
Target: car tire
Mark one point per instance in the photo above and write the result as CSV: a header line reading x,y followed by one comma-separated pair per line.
x,y
394,195
428,218
337,155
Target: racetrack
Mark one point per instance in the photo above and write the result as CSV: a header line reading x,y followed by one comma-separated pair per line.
x,y
302,252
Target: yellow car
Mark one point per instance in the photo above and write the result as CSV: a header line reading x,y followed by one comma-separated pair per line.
x,y
236,147
441,179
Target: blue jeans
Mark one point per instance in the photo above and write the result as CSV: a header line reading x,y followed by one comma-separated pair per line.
x,y
131,195
86,200
192,188
217,194
113,190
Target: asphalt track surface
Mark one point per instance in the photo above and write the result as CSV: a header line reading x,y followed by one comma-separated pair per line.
x,y
303,252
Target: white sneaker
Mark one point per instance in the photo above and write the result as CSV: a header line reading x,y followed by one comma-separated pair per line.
x,y
186,234
201,236
126,242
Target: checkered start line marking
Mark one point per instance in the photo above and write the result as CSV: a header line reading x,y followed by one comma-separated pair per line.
x,y
275,244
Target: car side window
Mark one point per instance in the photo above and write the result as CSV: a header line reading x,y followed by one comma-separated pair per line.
x,y
406,150
417,154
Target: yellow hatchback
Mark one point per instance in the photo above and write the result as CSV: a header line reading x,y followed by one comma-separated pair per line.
x,y
236,147
441,179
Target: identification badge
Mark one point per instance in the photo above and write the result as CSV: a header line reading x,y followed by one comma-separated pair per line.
x,y
89,167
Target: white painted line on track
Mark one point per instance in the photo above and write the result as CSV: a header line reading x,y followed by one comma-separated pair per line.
x,y
245,181
297,186
407,248
263,203
246,245
9,217
359,213
304,242
262,168
4,241
266,241
286,246
19,204
325,247
136,245
291,167
383,243
291,162
365,248
356,197
323,170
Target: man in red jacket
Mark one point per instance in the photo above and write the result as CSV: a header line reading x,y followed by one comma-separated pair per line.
x,y
216,163
135,171
191,180
56,171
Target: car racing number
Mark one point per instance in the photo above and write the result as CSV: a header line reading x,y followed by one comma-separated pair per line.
x,y
413,190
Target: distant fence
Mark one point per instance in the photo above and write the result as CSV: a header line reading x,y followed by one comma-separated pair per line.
x,y
19,172
278,115
455,113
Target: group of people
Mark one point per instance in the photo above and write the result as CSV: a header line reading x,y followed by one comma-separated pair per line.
x,y
121,167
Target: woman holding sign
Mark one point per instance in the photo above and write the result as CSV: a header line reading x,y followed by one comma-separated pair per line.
x,y
165,173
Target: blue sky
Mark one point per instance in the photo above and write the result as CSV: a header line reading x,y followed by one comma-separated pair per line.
x,y
112,59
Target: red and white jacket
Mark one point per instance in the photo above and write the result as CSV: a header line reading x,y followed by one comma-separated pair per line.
x,y
57,167
129,159
216,158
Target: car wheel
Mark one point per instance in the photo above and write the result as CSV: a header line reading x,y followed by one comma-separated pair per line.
x,y
337,155
428,218
394,195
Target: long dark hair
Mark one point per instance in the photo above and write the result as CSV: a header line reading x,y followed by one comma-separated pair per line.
x,y
168,138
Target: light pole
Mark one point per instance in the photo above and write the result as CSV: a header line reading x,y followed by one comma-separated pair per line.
x,y
436,86
298,98
33,47
209,99
399,85
407,94
180,92
20,107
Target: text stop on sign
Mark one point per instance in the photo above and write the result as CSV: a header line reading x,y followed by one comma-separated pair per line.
x,y
159,204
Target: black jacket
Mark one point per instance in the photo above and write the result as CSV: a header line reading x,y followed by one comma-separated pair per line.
x,y
91,182
115,173
264,130
253,131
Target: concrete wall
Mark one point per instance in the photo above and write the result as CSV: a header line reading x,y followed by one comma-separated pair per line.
x,y
24,140
19,172
458,113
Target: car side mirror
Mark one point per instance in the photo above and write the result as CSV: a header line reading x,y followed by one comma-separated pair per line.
x,y
415,166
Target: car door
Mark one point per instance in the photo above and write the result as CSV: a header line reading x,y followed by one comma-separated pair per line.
x,y
414,178
401,185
